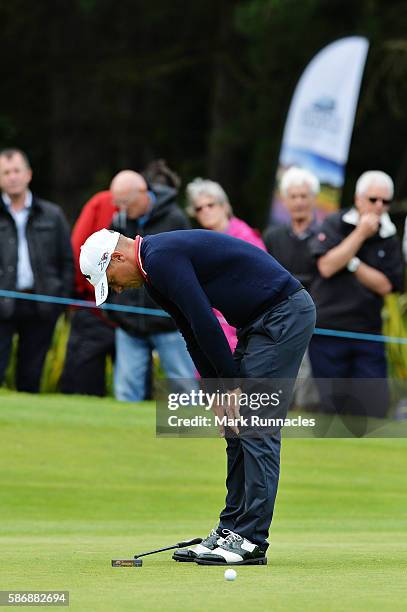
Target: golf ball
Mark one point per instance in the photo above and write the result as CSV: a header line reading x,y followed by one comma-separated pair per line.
x,y
230,574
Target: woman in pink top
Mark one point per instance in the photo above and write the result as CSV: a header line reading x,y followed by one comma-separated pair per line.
x,y
210,206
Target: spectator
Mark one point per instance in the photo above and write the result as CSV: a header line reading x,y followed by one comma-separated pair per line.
x,y
35,257
92,334
146,209
289,244
91,338
210,206
359,261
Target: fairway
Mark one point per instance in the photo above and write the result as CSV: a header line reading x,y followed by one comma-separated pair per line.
x,y
85,480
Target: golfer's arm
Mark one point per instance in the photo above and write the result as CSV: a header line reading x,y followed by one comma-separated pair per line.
x,y
207,331
202,363
338,257
179,283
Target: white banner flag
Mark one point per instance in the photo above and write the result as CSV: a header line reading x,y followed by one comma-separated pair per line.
x,y
320,120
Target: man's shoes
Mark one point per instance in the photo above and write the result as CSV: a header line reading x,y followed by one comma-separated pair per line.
x,y
186,555
234,550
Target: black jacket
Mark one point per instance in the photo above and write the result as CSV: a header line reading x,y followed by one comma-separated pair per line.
x,y
165,216
292,251
49,246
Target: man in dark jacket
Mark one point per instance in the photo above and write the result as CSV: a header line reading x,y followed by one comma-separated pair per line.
x,y
92,335
35,257
145,209
359,261
289,243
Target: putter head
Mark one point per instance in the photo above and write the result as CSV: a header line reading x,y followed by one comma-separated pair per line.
x,y
127,562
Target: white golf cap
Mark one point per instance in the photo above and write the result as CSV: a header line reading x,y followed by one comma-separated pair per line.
x,y
95,256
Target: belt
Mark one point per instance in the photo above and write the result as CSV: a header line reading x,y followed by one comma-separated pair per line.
x,y
285,297
277,302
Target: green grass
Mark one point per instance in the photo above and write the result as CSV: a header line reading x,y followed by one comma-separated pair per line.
x,y
86,480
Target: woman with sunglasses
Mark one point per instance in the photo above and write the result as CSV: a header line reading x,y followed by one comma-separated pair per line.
x,y
210,206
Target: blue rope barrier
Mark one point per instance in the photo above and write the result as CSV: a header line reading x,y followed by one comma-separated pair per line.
x,y
50,299
360,336
35,297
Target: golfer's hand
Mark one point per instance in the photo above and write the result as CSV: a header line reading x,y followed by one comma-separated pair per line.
x,y
219,411
232,408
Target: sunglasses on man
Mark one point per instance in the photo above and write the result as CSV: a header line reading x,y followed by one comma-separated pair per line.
x,y
374,199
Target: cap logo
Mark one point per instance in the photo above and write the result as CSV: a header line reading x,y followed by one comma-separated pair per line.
x,y
103,261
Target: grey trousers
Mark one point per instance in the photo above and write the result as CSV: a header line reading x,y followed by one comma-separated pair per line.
x,y
269,349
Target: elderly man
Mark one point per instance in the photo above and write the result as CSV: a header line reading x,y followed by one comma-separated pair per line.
x,y
35,257
92,333
145,209
290,245
359,261
188,273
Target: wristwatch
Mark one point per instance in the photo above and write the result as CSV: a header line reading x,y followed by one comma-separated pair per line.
x,y
353,264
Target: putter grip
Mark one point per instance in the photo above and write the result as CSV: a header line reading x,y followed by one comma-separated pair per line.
x,y
189,542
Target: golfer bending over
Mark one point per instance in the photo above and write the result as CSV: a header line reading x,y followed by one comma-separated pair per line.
x,y
188,273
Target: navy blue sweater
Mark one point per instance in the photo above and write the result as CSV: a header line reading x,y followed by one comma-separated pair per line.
x,y
189,272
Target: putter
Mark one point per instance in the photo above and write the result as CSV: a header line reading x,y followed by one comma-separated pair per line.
x,y
137,562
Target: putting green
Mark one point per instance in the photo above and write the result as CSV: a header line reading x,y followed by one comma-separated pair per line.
x,y
83,481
